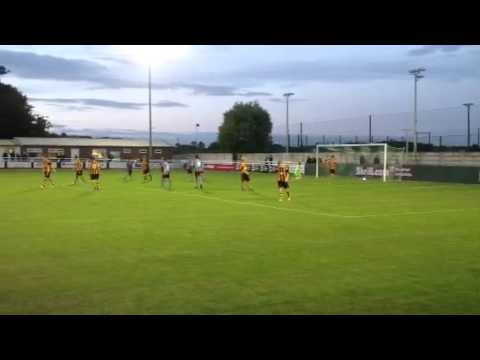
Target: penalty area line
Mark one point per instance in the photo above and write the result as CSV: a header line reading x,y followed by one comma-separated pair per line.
x,y
315,213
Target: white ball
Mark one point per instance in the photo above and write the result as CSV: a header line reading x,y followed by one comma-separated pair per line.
x,y
364,179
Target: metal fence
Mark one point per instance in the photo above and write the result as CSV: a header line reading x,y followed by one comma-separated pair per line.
x,y
443,127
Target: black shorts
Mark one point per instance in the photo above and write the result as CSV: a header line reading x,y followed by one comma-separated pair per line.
x,y
332,171
129,171
283,184
166,176
198,173
46,175
94,176
189,171
244,177
79,173
146,171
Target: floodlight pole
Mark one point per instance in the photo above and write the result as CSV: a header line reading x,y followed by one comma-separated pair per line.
x,y
196,134
406,141
301,135
149,112
287,96
468,105
370,128
416,76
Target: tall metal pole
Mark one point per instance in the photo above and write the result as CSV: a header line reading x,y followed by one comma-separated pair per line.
x,y
468,127
196,134
288,131
406,141
416,77
370,129
301,135
149,112
468,105
287,96
415,117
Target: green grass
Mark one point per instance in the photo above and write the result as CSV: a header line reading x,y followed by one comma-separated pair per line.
x,y
341,246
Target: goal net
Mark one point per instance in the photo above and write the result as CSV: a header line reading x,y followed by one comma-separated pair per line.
x,y
361,160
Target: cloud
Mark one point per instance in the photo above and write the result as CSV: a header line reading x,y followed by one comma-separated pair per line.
x,y
29,65
360,70
116,60
319,70
282,100
166,103
75,108
34,66
84,104
210,90
254,93
430,49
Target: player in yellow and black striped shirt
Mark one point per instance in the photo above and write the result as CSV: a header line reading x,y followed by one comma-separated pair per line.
x,y
283,177
244,175
78,170
95,174
47,169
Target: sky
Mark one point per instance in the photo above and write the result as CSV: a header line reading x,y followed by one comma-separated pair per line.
x,y
105,87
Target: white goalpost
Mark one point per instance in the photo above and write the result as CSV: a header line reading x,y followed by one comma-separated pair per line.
x,y
353,154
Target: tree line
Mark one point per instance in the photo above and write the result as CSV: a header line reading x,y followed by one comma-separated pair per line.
x,y
17,117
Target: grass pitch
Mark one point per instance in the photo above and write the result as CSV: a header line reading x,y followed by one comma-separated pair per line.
x,y
341,246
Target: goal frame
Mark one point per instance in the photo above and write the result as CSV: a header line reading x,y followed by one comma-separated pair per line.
x,y
380,145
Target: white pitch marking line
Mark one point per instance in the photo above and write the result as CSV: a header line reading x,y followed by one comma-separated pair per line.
x,y
324,214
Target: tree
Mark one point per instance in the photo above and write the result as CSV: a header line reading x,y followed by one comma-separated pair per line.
x,y
201,145
17,117
3,70
214,146
277,148
246,128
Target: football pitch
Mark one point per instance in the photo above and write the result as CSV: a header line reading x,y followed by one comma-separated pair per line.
x,y
340,246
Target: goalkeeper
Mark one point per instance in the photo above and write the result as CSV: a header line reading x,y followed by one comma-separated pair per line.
x,y
298,171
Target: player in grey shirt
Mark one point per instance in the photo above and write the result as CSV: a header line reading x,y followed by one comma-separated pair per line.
x,y
198,167
166,174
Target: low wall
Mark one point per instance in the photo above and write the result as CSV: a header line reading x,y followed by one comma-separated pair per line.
x,y
444,158
427,158
205,157
438,173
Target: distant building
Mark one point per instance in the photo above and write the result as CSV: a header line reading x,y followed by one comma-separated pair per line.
x,y
66,147
8,147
